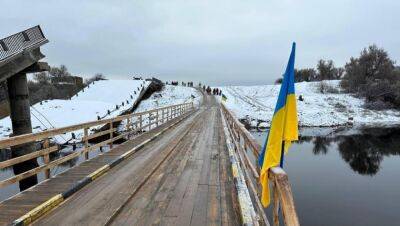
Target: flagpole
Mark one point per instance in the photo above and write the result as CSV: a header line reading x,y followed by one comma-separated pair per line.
x,y
282,154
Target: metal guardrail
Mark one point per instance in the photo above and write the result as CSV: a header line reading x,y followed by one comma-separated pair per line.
x,y
17,43
281,191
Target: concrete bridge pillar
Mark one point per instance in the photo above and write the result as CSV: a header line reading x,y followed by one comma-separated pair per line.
x,y
20,114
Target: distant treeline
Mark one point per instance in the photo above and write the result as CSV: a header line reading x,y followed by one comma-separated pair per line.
x,y
58,83
372,75
326,70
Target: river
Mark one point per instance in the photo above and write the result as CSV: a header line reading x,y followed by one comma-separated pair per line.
x,y
345,177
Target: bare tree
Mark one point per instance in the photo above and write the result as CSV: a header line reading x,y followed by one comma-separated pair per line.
x,y
61,71
42,78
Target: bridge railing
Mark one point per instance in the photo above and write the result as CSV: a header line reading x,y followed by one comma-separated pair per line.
x,y
111,130
281,190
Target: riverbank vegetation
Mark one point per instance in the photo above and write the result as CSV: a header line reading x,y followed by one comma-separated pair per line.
x,y
372,75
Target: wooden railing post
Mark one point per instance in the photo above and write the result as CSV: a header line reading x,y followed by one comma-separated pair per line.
x,y
149,125
111,133
46,158
162,116
128,127
282,197
85,136
275,211
157,117
282,187
141,122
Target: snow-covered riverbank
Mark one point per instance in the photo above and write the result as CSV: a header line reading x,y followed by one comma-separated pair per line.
x,y
95,100
316,110
170,95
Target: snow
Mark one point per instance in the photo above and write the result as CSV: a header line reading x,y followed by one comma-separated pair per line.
x,y
89,103
317,109
171,95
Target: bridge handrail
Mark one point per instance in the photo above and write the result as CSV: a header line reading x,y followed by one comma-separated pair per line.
x,y
133,123
281,189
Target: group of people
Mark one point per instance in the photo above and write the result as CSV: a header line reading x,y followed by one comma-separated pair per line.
x,y
215,91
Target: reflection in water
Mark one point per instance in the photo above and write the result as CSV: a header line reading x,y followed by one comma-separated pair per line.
x,y
363,158
364,152
321,145
348,173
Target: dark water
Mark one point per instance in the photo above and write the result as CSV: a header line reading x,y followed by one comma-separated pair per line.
x,y
346,178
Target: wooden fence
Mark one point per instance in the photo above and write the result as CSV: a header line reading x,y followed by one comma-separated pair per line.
x,y
128,125
281,190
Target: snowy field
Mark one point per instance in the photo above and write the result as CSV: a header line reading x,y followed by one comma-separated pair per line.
x,y
89,103
171,95
317,109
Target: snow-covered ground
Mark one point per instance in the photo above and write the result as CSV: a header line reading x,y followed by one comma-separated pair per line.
x,y
317,109
89,103
171,95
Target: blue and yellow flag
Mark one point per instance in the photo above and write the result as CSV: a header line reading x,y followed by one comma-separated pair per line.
x,y
283,130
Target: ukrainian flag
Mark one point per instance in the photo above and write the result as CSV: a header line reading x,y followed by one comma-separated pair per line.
x,y
283,130
224,98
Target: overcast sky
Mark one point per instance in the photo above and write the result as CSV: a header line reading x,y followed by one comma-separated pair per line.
x,y
218,42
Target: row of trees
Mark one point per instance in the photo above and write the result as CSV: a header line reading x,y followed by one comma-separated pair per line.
x,y
373,75
325,70
62,71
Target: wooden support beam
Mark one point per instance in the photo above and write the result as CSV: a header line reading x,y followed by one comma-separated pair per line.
x,y
111,133
86,140
46,158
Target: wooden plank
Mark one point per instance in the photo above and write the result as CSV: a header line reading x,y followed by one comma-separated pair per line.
x,y
26,200
86,140
29,156
199,217
46,158
174,206
214,205
188,201
94,135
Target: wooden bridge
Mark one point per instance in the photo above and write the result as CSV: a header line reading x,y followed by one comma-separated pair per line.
x,y
177,165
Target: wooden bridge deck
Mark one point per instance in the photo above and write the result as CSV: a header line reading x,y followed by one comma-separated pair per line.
x,y
181,178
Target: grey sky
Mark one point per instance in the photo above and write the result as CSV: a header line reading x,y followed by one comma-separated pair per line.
x,y
219,42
